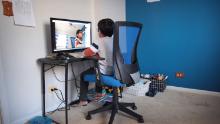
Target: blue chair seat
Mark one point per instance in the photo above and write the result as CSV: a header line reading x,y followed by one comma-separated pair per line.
x,y
106,80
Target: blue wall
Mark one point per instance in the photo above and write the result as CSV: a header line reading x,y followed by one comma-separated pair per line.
x,y
180,35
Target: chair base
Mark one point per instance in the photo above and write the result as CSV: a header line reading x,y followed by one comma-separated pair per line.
x,y
121,107
115,106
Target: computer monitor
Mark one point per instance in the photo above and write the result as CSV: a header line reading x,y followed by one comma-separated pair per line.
x,y
69,35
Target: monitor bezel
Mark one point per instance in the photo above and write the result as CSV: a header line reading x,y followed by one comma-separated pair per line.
x,y
53,41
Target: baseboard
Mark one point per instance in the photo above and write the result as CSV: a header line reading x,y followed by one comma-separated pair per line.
x,y
196,91
39,113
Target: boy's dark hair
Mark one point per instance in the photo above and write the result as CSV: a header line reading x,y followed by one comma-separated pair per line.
x,y
105,26
78,31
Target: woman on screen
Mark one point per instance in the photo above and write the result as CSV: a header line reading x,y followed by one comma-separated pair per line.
x,y
78,40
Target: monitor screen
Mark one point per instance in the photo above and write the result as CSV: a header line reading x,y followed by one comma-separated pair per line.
x,y
69,35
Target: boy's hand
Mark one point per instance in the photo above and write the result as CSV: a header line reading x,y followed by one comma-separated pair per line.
x,y
91,51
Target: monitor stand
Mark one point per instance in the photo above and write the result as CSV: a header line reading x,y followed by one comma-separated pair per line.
x,y
63,55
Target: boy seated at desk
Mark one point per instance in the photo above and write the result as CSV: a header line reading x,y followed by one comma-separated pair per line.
x,y
105,31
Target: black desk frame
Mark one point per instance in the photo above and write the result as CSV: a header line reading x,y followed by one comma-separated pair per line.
x,y
58,62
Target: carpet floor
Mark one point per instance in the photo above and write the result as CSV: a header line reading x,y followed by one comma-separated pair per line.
x,y
169,107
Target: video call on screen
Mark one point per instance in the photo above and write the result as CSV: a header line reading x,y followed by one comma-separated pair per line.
x,y
66,36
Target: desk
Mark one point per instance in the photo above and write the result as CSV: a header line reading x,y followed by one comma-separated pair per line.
x,y
60,62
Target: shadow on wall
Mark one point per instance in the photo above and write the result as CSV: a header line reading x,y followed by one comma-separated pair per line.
x,y
48,38
1,121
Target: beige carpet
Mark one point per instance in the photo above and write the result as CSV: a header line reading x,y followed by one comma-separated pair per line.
x,y
170,107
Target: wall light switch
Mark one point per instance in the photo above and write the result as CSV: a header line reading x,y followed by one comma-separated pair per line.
x,y
180,74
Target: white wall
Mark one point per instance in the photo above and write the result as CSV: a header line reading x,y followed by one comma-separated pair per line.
x,y
22,46
3,96
114,9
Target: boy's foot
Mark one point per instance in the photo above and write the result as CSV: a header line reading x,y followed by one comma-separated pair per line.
x,y
99,96
80,103
83,103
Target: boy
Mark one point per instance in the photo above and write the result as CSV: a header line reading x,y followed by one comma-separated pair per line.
x,y
105,31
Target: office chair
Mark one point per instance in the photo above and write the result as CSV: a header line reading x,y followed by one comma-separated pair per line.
x,y
126,36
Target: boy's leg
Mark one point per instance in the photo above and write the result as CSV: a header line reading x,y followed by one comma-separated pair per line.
x,y
98,86
99,93
83,90
84,84
98,89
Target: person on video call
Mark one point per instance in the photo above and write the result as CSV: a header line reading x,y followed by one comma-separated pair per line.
x,y
105,43
78,40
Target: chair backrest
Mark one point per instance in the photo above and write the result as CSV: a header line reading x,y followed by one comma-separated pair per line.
x,y
126,37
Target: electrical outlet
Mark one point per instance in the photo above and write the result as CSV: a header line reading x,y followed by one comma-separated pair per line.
x,y
180,75
51,87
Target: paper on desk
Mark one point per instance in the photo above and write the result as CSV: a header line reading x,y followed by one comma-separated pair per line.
x,y
23,13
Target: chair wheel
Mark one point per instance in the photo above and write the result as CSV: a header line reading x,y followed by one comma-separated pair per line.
x,y
140,120
88,117
134,107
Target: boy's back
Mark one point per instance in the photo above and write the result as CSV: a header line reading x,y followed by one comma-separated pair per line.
x,y
106,51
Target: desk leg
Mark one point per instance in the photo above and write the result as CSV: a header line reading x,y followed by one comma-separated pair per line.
x,y
66,92
43,89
